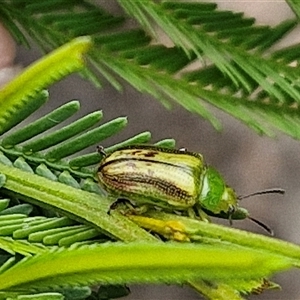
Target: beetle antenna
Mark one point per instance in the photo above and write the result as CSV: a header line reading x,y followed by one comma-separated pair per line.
x,y
267,191
262,225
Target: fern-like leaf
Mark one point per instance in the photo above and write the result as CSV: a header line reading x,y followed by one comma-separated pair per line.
x,y
254,87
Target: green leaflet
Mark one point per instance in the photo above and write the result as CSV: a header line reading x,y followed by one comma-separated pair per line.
x,y
20,97
139,263
3,203
295,6
53,138
214,290
87,139
13,112
256,286
22,247
93,158
76,293
61,231
41,296
39,126
232,289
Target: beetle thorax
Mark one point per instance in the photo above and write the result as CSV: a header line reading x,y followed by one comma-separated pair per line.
x,y
215,195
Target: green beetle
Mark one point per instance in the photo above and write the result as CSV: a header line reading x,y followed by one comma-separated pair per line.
x,y
171,179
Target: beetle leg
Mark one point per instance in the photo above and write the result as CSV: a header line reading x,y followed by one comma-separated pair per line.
x,y
203,216
127,207
101,150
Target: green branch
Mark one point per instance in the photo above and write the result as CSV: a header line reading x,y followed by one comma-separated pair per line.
x,y
138,263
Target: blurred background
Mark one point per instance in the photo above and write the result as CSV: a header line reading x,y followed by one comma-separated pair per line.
x,y
248,162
